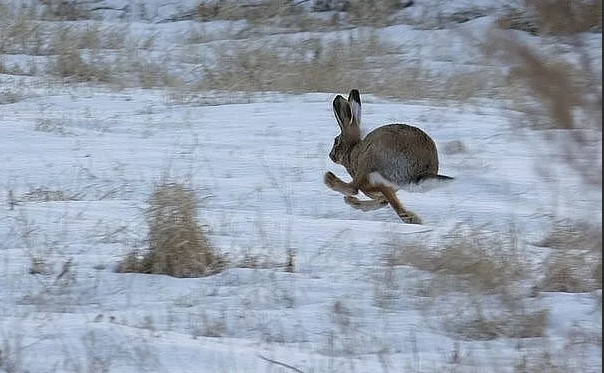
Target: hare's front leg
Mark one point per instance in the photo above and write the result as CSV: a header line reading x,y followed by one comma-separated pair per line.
x,y
336,184
376,202
366,205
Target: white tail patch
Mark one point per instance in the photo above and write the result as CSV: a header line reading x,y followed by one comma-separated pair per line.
x,y
425,185
375,178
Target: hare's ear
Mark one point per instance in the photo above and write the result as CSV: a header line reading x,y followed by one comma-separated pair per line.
x,y
343,112
354,99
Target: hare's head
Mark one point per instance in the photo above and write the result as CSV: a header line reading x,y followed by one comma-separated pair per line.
x,y
348,115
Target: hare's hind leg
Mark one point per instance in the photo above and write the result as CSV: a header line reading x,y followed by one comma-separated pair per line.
x,y
407,216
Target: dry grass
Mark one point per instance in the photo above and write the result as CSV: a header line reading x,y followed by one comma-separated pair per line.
x,y
573,235
64,10
552,87
20,33
258,261
543,361
178,245
481,325
563,99
570,357
576,265
373,12
43,194
291,66
265,15
71,64
253,12
9,96
85,53
316,65
474,285
572,273
261,63
71,60
108,56
555,17
553,94
479,261
24,33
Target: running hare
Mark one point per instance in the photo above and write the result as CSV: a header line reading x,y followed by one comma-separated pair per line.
x,y
389,158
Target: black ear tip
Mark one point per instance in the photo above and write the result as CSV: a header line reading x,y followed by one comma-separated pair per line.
x,y
354,95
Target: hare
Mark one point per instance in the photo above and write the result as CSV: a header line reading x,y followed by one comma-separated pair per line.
x,y
389,158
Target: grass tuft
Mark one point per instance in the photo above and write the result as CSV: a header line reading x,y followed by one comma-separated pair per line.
x,y
178,246
576,264
476,277
373,12
573,235
479,260
572,273
64,10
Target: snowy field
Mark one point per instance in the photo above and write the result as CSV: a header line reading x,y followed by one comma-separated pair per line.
x,y
79,161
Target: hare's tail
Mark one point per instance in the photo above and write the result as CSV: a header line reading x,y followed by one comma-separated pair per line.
x,y
442,178
427,183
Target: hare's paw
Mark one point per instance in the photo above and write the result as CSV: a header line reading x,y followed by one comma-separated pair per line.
x,y
352,200
382,203
409,217
367,205
331,180
355,202
336,184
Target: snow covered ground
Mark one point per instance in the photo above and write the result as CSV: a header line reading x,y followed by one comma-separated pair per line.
x,y
78,163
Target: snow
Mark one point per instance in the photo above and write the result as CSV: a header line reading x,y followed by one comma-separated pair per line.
x,y
257,162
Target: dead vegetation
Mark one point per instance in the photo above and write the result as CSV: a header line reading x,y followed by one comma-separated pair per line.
x,y
178,244
77,53
555,91
254,12
472,270
373,12
43,194
555,17
572,273
64,10
560,95
575,265
477,261
574,235
72,65
480,324
256,61
317,65
468,274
